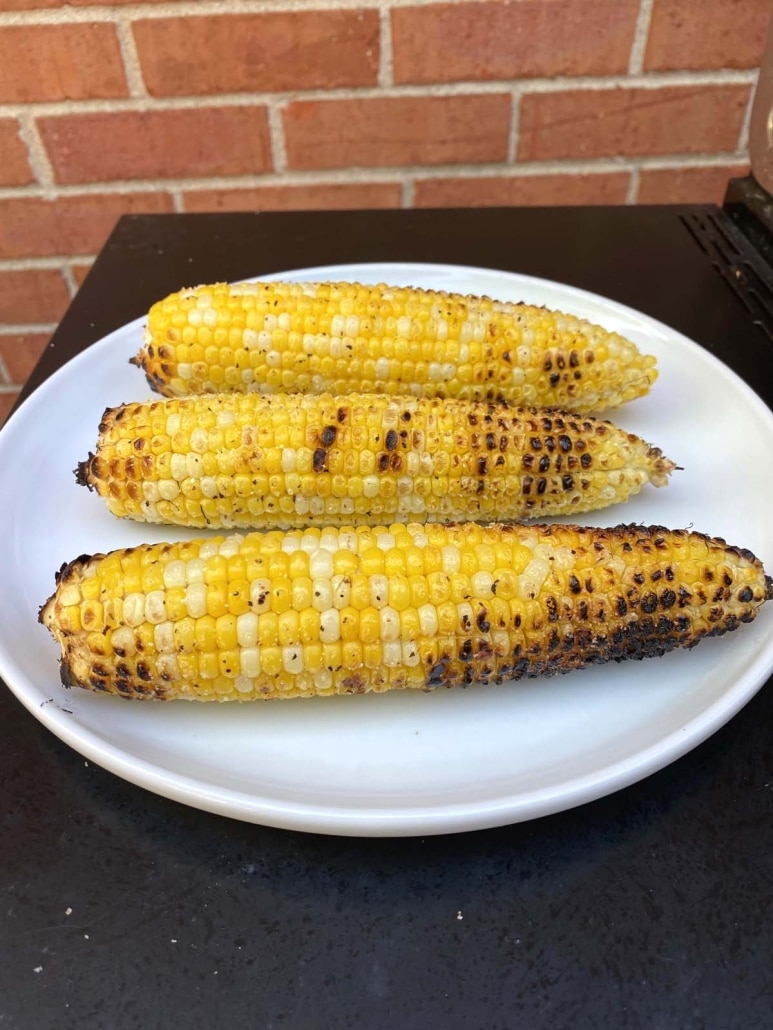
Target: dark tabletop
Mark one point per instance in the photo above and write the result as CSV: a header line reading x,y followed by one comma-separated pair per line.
x,y
649,908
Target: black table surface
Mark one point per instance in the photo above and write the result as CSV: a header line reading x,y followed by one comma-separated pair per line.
x,y
649,908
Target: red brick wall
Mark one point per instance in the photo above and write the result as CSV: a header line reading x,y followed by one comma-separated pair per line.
x,y
226,104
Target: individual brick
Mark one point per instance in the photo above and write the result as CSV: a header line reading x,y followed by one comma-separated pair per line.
x,y
80,270
69,225
703,34
523,190
238,53
14,165
311,197
453,42
7,401
33,295
60,62
164,144
387,131
687,185
631,121
20,353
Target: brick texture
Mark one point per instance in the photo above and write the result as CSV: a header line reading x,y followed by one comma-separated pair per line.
x,y
7,401
157,144
626,122
243,53
14,166
687,185
397,131
528,190
60,62
332,196
32,227
479,41
20,353
36,295
699,34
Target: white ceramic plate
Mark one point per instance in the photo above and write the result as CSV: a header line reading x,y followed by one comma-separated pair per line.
x,y
403,763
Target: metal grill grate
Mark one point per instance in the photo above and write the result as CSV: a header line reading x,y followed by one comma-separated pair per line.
x,y
746,273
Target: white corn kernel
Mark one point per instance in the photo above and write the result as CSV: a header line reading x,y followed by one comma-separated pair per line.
x,y
155,606
134,609
247,629
389,623
330,626
196,600
174,574
249,662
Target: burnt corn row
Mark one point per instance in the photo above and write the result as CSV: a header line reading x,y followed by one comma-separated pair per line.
x,y
239,461
281,337
341,611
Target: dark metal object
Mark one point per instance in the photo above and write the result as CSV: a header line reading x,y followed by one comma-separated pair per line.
x,y
645,909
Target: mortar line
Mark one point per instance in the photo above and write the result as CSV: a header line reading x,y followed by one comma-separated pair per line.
x,y
640,37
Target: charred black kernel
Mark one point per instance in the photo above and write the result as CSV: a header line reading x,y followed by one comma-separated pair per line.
x,y
483,624
745,595
390,441
482,466
669,574
550,443
483,649
649,602
527,461
554,379
685,597
584,637
542,484
574,584
438,672
319,460
406,416
472,418
655,576
465,651
574,359
582,610
382,462
503,443
544,463
552,606
708,574
535,443
500,461
667,599
731,623
681,624
490,441
565,443
517,620
715,614
626,546
620,606
328,436
555,641
548,364
727,579
567,482
480,487
144,672
719,594
341,415
586,460
526,485
589,585
638,577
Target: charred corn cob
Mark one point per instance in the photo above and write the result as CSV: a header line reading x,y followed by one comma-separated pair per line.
x,y
346,337
339,611
240,461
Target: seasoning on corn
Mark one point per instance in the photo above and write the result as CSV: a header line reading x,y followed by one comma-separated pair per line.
x,y
238,461
350,338
342,611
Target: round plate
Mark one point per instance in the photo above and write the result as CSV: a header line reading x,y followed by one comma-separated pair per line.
x,y
402,763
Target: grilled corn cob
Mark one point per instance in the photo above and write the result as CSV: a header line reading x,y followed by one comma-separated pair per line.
x,y
346,337
240,461
340,611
